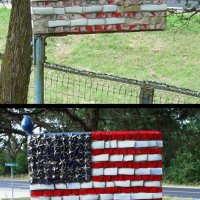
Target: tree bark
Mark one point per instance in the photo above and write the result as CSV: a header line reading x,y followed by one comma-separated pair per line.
x,y
16,65
92,118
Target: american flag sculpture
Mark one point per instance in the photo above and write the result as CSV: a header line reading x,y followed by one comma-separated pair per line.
x,y
107,165
55,17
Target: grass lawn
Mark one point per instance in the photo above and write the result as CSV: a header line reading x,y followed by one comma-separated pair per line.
x,y
170,56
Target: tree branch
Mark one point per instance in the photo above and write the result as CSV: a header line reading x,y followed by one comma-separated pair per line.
x,y
73,117
36,112
9,131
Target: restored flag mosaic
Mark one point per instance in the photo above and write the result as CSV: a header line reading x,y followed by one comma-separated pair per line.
x,y
104,165
55,17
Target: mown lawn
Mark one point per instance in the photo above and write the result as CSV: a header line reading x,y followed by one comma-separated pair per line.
x,y
170,56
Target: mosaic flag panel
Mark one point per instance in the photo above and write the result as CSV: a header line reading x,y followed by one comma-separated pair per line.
x,y
110,165
54,17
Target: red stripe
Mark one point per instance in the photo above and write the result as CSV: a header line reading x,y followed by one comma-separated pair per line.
x,y
127,151
127,177
127,164
110,190
126,135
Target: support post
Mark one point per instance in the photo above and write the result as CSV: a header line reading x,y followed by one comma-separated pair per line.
x,y
146,94
39,59
11,168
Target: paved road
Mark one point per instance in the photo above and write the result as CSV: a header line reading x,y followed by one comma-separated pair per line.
x,y
16,184
183,192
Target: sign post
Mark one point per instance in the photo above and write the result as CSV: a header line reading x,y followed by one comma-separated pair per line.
x,y
11,165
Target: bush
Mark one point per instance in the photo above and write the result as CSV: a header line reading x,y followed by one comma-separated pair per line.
x,y
21,160
184,169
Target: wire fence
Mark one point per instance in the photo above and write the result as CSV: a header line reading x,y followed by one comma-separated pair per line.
x,y
67,85
72,86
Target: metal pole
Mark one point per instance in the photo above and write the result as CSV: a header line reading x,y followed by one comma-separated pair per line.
x,y
12,181
39,54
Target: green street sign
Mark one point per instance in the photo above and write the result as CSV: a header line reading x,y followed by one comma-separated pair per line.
x,y
11,164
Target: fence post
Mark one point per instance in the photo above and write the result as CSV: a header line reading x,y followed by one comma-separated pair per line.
x,y
39,59
146,94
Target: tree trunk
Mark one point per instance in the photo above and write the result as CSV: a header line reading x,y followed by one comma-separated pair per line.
x,y
16,65
92,118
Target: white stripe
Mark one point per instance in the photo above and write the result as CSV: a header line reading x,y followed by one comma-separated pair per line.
x,y
113,158
116,20
137,183
154,157
56,23
78,22
56,198
99,184
142,196
139,144
100,158
98,144
41,187
101,144
128,158
143,171
126,143
42,11
87,185
73,185
74,9
106,196
141,157
121,196
124,158
122,183
113,143
110,8
89,197
117,196
152,183
156,171
126,171
93,8
92,22
60,186
110,171
95,184
97,172
70,197
59,11
150,7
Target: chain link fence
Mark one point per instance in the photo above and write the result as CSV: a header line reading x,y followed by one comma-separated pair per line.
x,y
66,85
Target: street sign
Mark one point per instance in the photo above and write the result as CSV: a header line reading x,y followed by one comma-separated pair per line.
x,y
11,164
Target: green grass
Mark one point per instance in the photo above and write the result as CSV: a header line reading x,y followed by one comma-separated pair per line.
x,y
170,56
16,177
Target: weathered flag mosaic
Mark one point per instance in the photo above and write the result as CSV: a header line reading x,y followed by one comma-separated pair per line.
x,y
55,17
105,165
